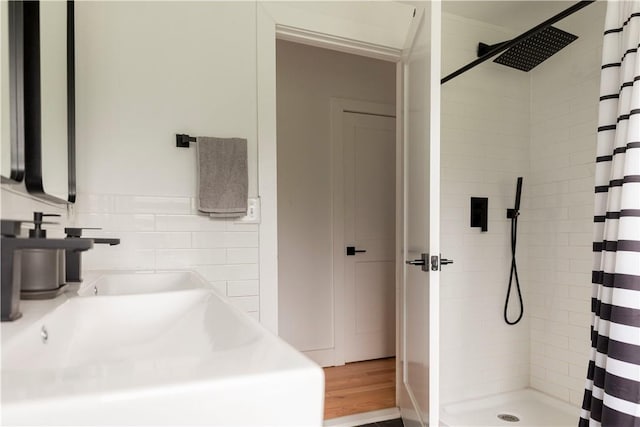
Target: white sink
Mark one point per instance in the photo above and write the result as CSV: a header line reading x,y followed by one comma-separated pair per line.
x,y
119,283
181,358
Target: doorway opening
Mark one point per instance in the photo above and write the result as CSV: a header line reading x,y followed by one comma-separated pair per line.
x,y
336,156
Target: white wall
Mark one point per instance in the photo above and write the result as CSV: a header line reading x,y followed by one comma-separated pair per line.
x,y
485,141
144,72
148,70
307,77
564,117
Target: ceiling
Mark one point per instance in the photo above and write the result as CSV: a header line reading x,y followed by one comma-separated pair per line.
x,y
517,15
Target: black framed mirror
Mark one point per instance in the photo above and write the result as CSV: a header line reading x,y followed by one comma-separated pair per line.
x,y
49,93
12,90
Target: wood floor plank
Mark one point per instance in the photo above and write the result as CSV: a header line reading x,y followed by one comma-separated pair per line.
x,y
360,387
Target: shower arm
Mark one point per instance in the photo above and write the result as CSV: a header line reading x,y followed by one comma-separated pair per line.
x,y
506,45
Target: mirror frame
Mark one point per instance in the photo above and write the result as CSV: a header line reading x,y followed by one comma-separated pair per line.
x,y
33,112
16,92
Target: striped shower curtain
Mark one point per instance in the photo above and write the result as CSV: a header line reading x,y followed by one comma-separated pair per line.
x,y
612,395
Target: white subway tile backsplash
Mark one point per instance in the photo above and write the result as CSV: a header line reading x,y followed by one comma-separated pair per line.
x,y
167,233
154,240
229,272
242,288
188,258
116,222
152,204
220,286
241,226
242,255
248,304
109,258
94,203
189,223
214,239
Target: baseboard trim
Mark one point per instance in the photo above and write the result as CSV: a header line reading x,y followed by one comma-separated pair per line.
x,y
324,358
363,418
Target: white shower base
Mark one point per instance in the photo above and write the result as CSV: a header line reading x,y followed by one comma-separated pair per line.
x,y
533,408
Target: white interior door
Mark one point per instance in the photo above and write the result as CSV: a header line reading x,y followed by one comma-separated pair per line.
x,y
369,147
420,293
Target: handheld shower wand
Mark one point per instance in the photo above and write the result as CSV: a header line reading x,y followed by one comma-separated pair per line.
x,y
513,214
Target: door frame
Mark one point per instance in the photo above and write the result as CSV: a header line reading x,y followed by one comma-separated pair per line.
x,y
403,395
339,106
271,25
275,21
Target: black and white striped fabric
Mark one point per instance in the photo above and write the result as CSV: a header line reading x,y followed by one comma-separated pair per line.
x,y
612,395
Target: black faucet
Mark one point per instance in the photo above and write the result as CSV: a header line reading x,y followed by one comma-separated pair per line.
x,y
74,258
11,246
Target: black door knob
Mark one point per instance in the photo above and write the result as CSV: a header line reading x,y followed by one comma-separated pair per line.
x,y
351,250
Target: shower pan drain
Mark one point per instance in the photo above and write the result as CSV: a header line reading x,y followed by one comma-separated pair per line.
x,y
508,417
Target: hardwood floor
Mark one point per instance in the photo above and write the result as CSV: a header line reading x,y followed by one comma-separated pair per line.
x,y
359,387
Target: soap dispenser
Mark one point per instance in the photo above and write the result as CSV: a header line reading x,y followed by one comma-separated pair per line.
x,y
41,275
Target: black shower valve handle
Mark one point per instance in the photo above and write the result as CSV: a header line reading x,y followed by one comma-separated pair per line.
x,y
512,213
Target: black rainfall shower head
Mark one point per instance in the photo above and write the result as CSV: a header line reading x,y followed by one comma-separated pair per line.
x,y
532,51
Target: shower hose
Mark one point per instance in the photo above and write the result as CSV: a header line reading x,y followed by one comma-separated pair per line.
x,y
514,272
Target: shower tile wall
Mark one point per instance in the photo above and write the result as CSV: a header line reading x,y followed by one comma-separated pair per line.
x,y
564,110
485,143
497,124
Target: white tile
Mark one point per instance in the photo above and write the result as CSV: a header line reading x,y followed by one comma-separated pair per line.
x,y
247,304
213,239
111,258
116,222
220,286
580,345
238,226
240,288
153,204
578,371
189,223
94,203
155,240
577,396
185,258
229,272
580,319
242,255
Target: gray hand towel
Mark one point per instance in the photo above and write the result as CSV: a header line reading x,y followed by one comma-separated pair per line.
x,y
222,176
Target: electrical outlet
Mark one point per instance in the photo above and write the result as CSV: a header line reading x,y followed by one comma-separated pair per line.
x,y
253,212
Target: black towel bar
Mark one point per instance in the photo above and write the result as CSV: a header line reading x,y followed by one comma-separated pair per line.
x,y
183,140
